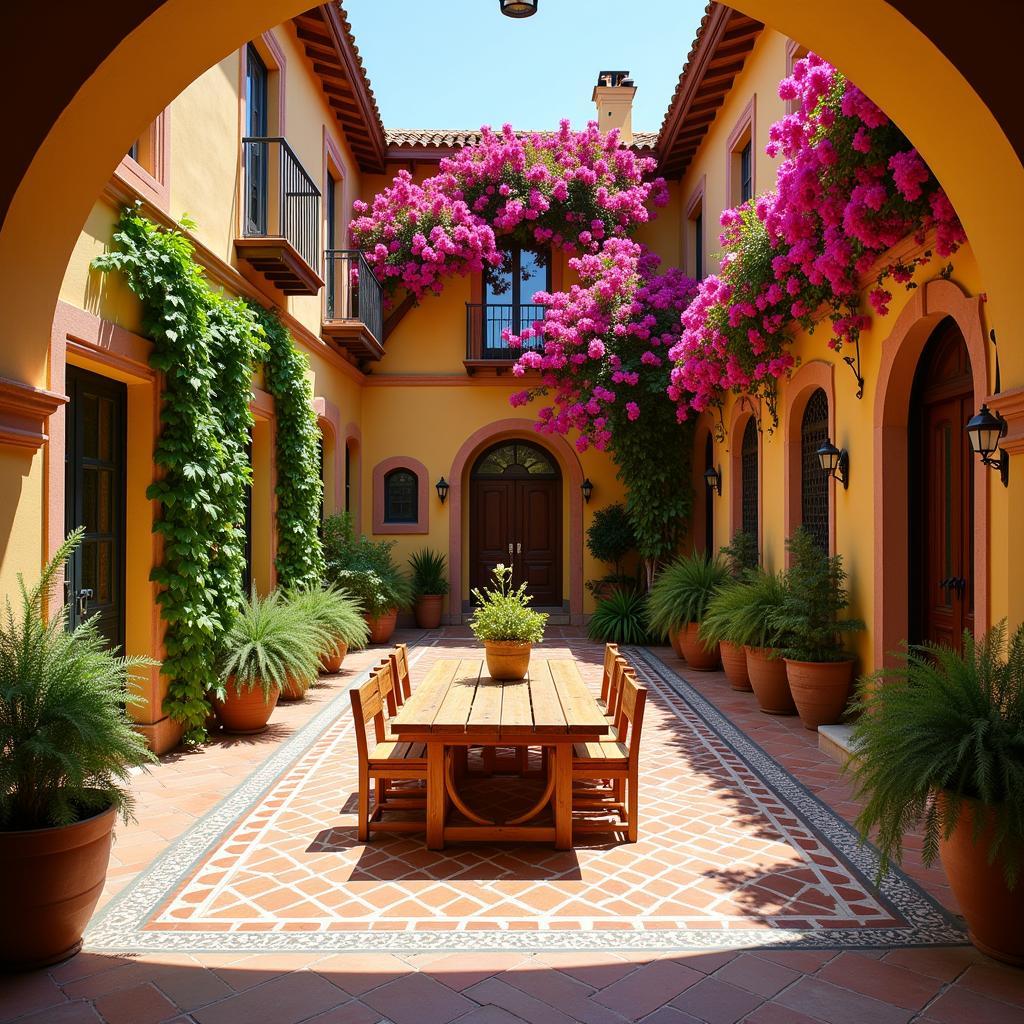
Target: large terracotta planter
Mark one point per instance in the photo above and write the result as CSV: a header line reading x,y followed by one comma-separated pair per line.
x,y
768,681
734,664
247,712
698,655
330,664
382,626
428,611
820,690
50,880
993,911
507,659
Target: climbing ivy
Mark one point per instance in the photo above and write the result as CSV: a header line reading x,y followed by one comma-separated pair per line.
x,y
300,557
206,345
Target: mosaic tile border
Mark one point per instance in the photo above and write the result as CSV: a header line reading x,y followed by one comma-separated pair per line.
x,y
120,926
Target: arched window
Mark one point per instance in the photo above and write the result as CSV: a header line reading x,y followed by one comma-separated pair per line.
x,y
400,496
813,479
515,459
749,482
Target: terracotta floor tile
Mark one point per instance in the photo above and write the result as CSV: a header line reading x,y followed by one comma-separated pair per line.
x,y
881,980
837,1005
78,1012
716,1002
647,988
996,981
284,1000
959,1004
495,992
21,994
142,1004
415,998
757,975
357,973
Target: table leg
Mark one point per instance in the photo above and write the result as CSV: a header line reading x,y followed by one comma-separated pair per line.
x,y
563,796
436,796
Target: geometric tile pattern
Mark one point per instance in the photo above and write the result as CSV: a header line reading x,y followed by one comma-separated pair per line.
x,y
733,853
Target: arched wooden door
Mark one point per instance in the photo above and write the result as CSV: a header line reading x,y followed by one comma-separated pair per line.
x,y
941,507
515,510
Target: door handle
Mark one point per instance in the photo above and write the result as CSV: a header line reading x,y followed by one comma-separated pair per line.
x,y
83,597
510,549
519,549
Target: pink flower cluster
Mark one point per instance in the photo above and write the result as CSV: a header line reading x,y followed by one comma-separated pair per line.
x,y
848,189
602,347
567,189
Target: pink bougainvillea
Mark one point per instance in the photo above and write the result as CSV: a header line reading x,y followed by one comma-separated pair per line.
x,y
849,188
567,189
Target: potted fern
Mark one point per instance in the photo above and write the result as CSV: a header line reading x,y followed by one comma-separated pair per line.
x,y
742,557
721,626
620,618
506,625
272,644
429,586
678,602
819,669
940,744
68,750
339,618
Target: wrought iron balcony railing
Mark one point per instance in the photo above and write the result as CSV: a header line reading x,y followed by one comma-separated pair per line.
x,y
353,291
485,324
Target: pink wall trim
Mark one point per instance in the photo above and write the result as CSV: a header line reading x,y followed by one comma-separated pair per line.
x,y
746,121
743,411
354,442
329,419
380,471
694,205
153,182
901,352
807,379
572,474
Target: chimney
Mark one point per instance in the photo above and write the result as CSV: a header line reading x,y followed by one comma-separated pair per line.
x,y
613,96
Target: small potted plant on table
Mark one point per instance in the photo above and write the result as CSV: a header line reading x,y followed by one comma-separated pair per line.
x,y
507,626
429,586
339,618
678,602
272,644
67,749
819,669
938,742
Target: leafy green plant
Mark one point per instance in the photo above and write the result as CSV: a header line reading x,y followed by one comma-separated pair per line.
x,y
337,614
681,592
937,730
620,618
740,611
605,586
272,640
741,553
68,745
610,536
429,573
503,612
365,568
815,594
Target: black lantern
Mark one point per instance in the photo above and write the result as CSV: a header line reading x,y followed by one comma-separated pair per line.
x,y
442,489
985,430
835,462
518,8
588,489
713,478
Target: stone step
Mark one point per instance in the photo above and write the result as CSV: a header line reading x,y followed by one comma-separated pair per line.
x,y
837,742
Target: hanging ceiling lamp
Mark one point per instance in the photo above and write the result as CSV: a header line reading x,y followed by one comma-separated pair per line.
x,y
518,8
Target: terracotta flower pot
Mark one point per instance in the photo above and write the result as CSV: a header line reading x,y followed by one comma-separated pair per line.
x,y
993,911
768,681
507,659
330,664
820,690
674,638
382,626
428,611
50,880
734,662
698,655
293,689
246,712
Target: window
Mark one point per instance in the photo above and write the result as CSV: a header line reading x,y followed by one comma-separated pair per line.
x,y
332,197
698,243
814,497
348,478
509,291
740,167
748,474
746,173
516,459
256,155
400,496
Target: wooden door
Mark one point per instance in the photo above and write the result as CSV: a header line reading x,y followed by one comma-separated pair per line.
x,y
942,493
538,530
491,542
94,497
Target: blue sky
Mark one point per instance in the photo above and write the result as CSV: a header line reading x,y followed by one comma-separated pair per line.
x,y
461,64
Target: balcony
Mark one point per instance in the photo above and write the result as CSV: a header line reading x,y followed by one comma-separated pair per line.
x,y
487,352
280,217
354,307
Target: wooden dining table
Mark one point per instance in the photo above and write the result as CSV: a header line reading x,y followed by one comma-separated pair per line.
x,y
458,705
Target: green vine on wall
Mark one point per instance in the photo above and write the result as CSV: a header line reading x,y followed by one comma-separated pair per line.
x,y
205,346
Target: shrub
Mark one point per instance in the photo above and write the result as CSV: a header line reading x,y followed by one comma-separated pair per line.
x,y
741,554
681,592
429,573
68,745
620,618
365,568
950,724
740,611
503,612
610,536
335,612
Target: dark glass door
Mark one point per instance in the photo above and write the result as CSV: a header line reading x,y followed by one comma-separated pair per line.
x,y
94,497
257,154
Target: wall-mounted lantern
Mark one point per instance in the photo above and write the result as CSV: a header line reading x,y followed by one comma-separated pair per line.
x,y
588,489
835,462
518,8
713,478
442,489
986,430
